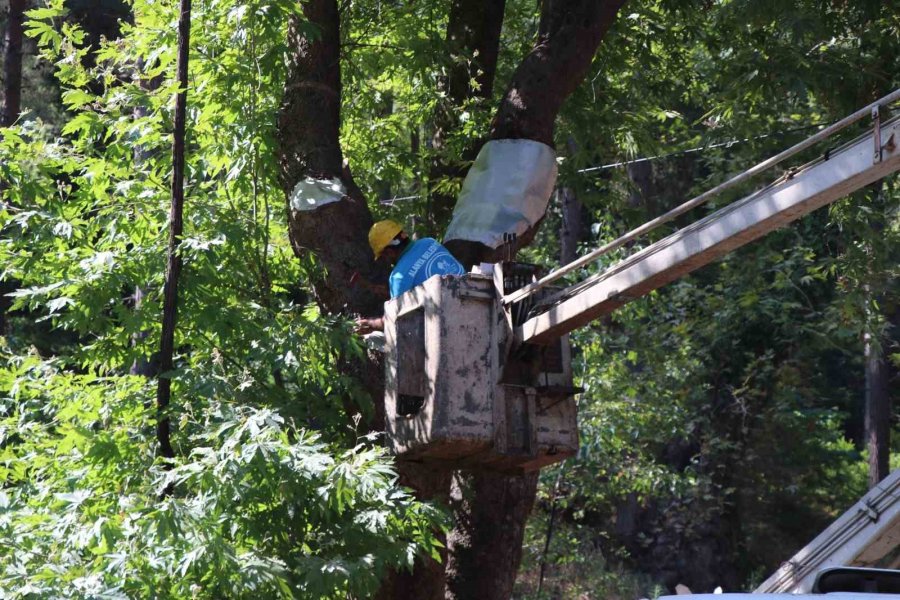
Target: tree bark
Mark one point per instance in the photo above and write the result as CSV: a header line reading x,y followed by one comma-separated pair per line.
x,y
309,123
12,106
473,42
428,579
173,261
145,366
12,63
572,228
877,414
568,36
100,19
878,405
486,543
337,233
486,547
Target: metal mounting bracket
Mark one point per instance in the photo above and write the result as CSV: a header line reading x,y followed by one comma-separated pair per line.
x,y
870,510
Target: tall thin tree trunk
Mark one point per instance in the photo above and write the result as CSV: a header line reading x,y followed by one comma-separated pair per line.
x,y
571,230
549,536
12,64
173,264
877,401
878,412
12,106
145,366
473,40
877,396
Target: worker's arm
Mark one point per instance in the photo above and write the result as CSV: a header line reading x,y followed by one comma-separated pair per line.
x,y
379,289
366,325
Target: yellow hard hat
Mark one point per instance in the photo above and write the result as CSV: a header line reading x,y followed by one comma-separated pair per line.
x,y
381,234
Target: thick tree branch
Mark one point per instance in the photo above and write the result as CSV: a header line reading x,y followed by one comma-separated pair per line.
x,y
568,37
473,43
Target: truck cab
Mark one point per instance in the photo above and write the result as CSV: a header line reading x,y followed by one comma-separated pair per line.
x,y
839,583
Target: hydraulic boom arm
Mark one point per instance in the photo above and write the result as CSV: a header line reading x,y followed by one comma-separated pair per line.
x,y
857,164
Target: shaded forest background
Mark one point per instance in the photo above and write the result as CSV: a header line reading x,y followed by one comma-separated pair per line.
x,y
724,417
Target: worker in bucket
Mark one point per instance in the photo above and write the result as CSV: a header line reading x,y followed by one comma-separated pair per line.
x,y
413,263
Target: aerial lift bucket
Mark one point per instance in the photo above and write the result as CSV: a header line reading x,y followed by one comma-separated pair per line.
x,y
460,393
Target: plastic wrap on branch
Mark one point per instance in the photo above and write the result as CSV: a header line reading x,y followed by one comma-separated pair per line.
x,y
310,193
506,191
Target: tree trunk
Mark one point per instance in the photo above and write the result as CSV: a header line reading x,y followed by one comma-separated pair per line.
x,y
12,64
337,233
572,228
878,413
428,579
12,106
486,547
173,263
568,36
878,372
145,366
309,123
473,40
486,544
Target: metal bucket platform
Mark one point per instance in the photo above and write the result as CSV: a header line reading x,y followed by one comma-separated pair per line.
x,y
458,394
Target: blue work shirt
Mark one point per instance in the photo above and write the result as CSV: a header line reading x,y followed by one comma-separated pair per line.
x,y
421,260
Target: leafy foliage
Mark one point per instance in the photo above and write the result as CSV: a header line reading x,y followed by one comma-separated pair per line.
x,y
275,496
721,424
261,508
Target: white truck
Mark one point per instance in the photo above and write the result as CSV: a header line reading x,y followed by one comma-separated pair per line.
x,y
839,583
838,562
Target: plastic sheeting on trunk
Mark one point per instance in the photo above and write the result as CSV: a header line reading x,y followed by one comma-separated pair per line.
x,y
505,191
310,193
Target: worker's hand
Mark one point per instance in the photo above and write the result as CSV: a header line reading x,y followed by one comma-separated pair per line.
x,y
366,325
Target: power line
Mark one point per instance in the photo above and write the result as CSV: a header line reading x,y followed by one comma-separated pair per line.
x,y
390,201
624,163
697,149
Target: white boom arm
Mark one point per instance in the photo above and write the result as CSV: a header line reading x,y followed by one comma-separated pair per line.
x,y
868,159
867,535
